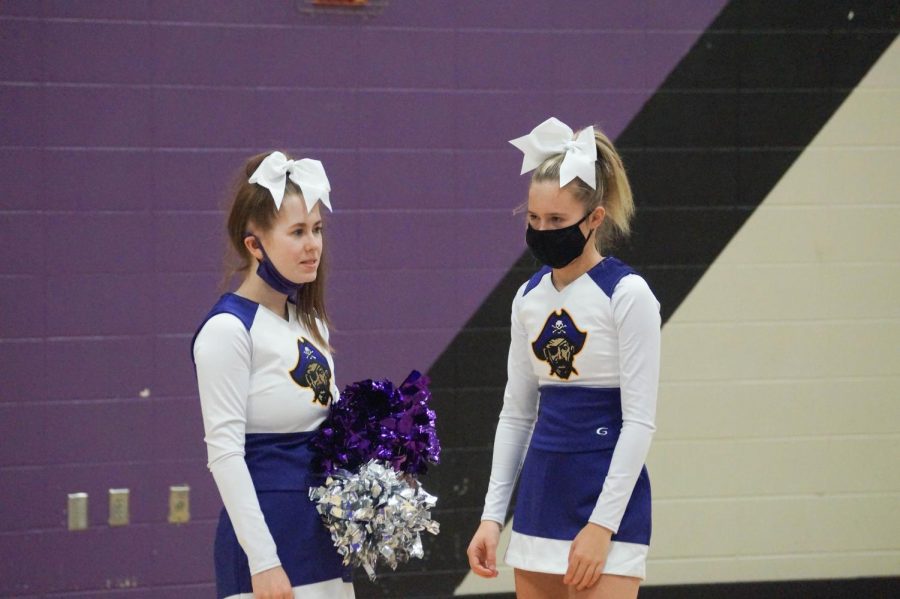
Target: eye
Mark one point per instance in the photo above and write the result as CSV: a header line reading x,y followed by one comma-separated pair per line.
x,y
318,229
297,232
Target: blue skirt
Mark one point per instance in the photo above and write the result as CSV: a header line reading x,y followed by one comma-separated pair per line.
x,y
567,462
558,492
280,466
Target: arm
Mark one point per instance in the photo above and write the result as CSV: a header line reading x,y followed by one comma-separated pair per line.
x,y
326,335
636,313
516,423
222,354
510,442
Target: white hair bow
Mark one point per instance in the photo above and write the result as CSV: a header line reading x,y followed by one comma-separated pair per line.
x,y
307,173
555,137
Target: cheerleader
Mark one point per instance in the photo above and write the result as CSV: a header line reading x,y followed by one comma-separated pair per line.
x,y
580,401
266,378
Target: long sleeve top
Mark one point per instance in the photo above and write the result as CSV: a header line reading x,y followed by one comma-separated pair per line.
x,y
602,330
256,373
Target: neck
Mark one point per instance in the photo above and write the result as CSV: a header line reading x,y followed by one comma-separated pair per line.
x,y
255,289
588,259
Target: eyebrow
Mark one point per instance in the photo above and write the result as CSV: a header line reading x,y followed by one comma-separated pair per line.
x,y
303,224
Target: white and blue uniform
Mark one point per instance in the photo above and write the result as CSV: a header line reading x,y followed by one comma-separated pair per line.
x,y
265,387
583,374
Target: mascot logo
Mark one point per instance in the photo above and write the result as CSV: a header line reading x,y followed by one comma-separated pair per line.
x,y
312,372
559,342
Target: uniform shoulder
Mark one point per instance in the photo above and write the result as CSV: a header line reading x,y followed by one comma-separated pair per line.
x,y
633,293
633,285
231,315
533,282
223,323
609,272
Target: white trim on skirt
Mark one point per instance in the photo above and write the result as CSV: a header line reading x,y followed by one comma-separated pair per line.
x,y
551,556
328,589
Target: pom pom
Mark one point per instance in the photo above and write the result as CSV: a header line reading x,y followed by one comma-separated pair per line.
x,y
416,443
375,515
375,420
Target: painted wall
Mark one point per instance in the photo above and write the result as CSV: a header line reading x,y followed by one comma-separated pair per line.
x,y
781,416
769,236
123,123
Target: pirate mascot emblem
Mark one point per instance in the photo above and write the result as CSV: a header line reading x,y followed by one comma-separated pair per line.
x,y
559,342
312,371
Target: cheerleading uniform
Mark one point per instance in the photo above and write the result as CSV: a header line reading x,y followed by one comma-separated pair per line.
x,y
265,387
583,373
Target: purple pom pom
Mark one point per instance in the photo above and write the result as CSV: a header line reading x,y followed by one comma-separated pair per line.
x,y
374,420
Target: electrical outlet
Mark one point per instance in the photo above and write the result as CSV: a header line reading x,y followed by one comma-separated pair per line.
x,y
179,504
119,514
77,511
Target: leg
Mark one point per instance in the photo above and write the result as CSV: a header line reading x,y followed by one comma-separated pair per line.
x,y
537,585
610,586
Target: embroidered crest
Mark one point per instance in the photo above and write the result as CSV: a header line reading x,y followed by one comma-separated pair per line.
x,y
559,343
312,371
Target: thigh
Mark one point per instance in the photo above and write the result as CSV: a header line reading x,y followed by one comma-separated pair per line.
x,y
610,586
537,585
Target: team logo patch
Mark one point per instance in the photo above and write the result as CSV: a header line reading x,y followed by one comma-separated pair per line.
x,y
312,371
559,343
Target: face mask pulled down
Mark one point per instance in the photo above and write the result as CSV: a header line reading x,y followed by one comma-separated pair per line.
x,y
274,279
557,248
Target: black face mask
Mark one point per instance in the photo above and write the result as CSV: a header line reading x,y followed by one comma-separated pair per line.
x,y
557,247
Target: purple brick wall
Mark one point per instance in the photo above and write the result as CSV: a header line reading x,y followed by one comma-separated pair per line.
x,y
121,126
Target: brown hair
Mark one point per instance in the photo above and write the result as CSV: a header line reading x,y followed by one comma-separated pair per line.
x,y
253,203
613,190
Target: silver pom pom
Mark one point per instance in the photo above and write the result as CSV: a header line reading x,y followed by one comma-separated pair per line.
x,y
375,515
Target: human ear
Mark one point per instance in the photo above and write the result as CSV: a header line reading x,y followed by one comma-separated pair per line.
x,y
597,217
253,246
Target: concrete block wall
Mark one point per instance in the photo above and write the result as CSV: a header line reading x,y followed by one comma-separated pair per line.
x,y
122,125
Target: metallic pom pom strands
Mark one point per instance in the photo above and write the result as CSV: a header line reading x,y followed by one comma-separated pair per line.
x,y
375,441
375,515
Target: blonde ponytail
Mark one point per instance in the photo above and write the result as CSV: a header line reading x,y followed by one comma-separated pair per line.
x,y
613,190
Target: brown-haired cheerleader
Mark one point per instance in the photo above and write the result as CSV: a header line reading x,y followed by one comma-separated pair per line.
x,y
266,379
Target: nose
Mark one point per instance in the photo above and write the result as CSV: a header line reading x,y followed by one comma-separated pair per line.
x,y
312,242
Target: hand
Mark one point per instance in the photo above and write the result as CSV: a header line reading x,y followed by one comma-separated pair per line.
x,y
587,556
482,550
272,584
